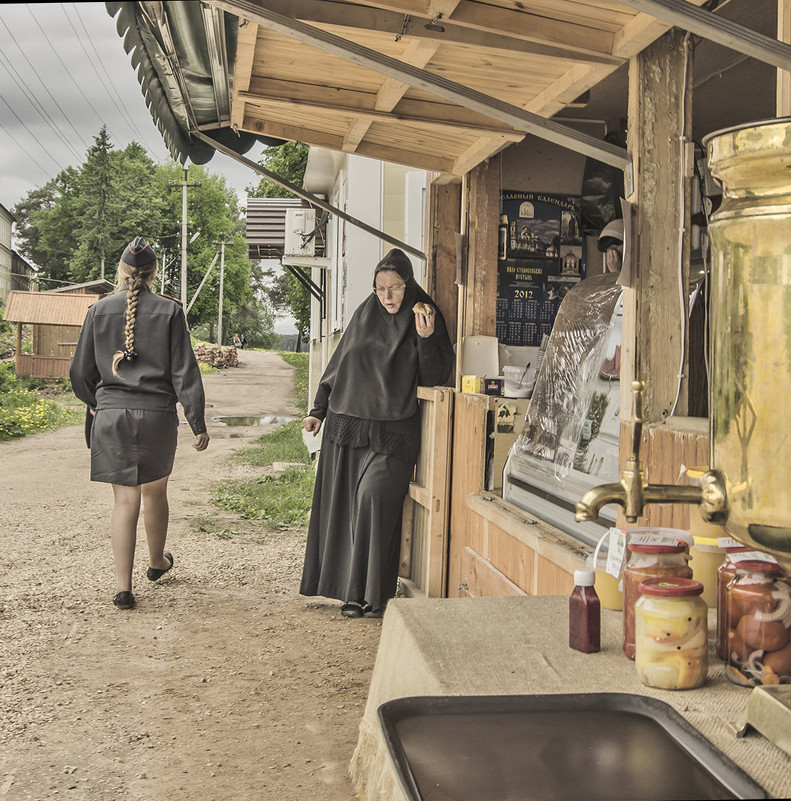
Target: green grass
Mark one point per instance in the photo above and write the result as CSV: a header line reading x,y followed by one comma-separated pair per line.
x,y
282,445
281,500
24,410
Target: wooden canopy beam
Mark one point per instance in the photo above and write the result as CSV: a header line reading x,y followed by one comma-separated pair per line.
x,y
730,34
365,18
464,96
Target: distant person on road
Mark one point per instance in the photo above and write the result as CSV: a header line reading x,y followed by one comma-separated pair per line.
x,y
242,341
236,341
367,405
133,361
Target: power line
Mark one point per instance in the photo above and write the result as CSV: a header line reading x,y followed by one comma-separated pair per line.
x,y
30,64
32,136
13,139
42,112
67,70
121,107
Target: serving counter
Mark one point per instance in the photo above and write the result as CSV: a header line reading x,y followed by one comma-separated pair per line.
x,y
519,645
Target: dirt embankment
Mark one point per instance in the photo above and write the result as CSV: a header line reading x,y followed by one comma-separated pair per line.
x,y
223,683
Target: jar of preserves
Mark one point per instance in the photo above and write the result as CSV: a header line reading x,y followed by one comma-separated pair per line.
x,y
758,611
725,573
650,556
671,636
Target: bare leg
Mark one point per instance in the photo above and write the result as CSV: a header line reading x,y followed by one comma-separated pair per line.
x,y
155,518
123,533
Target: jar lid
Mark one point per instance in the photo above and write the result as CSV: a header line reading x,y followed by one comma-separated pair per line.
x,y
642,547
671,587
757,566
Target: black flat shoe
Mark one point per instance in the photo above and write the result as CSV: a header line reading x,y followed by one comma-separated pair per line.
x,y
153,573
352,609
124,600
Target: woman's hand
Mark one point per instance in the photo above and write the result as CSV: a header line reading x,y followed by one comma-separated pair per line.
x,y
425,325
311,425
201,442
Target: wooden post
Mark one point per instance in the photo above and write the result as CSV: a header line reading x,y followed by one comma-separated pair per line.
x,y
18,347
783,76
445,214
654,334
480,291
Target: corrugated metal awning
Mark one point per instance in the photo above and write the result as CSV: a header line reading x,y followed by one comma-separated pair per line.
x,y
47,308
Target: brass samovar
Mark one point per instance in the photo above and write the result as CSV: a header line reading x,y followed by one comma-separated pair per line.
x,y
748,488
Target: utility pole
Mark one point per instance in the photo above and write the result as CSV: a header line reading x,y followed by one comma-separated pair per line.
x,y
184,184
222,282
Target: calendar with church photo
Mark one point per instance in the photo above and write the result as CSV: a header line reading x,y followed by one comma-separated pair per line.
x,y
540,258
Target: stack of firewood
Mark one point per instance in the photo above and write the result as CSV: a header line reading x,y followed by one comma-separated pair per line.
x,y
216,356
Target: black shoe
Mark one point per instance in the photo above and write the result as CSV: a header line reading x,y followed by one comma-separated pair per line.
x,y
352,609
153,573
124,600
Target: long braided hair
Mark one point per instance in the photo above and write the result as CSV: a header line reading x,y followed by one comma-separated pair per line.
x,y
131,278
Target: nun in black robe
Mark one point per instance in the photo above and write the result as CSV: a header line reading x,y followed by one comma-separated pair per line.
x,y
367,402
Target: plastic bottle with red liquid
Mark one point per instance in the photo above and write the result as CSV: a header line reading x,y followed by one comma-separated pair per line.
x,y
584,614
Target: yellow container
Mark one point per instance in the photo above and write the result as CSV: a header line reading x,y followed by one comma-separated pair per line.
x,y
610,597
706,555
471,384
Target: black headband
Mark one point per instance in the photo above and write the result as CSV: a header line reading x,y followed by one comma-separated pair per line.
x,y
138,253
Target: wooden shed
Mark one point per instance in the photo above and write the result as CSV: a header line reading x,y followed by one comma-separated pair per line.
x,y
56,318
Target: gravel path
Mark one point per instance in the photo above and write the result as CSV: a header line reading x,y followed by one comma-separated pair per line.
x,y
223,683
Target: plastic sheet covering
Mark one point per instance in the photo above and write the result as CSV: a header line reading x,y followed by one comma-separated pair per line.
x,y
568,376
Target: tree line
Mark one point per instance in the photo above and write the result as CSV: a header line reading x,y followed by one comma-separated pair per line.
x,y
75,227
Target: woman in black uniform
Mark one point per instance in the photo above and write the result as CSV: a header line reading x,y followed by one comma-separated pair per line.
x,y
133,361
367,403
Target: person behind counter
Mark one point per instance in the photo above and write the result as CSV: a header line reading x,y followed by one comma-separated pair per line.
x,y
367,404
610,243
133,361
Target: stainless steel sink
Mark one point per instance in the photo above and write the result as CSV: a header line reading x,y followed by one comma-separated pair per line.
x,y
606,746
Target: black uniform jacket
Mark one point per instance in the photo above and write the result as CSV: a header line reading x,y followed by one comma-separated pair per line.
x,y
164,371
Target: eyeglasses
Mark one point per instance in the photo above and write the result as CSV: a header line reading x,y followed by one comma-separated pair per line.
x,y
384,291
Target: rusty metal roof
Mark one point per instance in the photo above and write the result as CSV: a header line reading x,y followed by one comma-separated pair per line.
x,y
47,308
101,286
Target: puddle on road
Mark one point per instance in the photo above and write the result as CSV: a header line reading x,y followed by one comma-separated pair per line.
x,y
264,420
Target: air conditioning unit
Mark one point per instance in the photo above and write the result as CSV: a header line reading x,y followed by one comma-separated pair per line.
x,y
300,223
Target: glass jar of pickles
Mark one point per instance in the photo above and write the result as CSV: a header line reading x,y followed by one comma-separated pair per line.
x,y
758,611
671,642
650,556
725,573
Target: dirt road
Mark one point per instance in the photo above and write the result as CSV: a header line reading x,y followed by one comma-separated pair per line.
x,y
223,683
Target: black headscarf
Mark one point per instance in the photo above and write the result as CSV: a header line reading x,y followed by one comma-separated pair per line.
x,y
380,360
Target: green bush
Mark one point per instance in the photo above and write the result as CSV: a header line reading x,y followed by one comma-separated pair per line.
x,y
301,364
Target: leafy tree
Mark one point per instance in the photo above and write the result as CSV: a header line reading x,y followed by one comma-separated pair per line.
x,y
284,291
94,210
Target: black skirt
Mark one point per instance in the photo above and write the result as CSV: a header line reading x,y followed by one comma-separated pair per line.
x,y
133,446
354,536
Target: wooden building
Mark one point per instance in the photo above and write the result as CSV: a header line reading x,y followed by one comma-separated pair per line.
x,y
56,318
490,96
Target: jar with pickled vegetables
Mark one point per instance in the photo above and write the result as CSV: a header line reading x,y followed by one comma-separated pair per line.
x,y
671,642
725,573
649,557
758,610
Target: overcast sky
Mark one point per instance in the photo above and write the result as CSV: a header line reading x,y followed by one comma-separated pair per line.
x,y
63,73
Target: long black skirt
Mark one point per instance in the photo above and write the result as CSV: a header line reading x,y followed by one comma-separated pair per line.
x,y
354,537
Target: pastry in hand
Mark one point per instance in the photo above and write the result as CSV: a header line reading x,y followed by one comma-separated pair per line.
x,y
423,308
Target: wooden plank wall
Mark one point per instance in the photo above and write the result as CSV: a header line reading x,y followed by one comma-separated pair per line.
x,y
42,366
424,541
467,475
664,448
